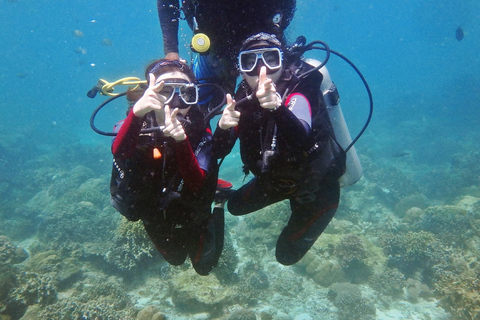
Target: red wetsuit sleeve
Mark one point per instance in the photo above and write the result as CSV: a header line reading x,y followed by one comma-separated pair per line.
x,y
127,137
192,174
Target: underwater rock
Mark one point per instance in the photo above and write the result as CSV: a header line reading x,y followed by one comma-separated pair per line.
x,y
193,293
414,200
415,290
321,269
159,316
413,214
147,313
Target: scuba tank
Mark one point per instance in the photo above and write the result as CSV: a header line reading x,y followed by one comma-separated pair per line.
x,y
353,171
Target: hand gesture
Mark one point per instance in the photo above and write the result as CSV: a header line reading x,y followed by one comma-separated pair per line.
x,y
151,99
230,116
266,93
173,127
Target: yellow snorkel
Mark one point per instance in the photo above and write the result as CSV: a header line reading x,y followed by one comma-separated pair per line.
x,y
107,88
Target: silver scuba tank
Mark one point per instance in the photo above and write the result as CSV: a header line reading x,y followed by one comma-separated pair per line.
x,y
353,171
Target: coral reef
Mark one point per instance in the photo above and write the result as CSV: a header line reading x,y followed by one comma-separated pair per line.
x,y
389,282
95,298
412,252
31,289
463,171
64,271
243,315
457,284
452,225
68,220
150,313
350,302
228,262
403,247
10,253
352,256
131,247
192,293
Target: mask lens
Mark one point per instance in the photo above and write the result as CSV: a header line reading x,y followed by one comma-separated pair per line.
x,y
167,91
189,93
248,61
271,58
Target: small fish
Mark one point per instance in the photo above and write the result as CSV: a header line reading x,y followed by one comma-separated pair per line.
x,y
400,154
80,50
78,33
107,42
459,34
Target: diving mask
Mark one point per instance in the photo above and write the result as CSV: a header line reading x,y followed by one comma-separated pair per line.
x,y
271,57
188,92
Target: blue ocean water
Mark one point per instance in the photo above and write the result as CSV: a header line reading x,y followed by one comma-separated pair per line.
x,y
425,85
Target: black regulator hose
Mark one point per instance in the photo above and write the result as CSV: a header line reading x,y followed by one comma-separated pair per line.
x,y
94,114
299,48
370,98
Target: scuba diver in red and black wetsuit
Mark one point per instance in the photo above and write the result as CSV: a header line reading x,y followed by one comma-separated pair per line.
x,y
286,141
164,172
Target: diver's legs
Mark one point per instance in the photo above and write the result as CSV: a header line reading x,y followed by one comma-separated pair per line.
x,y
208,246
255,195
307,222
169,242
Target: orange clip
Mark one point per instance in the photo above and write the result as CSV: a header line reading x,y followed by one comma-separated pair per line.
x,y
156,153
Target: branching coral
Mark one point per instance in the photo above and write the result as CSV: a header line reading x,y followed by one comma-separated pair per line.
x,y
352,256
350,303
452,225
413,251
131,246
457,284
388,282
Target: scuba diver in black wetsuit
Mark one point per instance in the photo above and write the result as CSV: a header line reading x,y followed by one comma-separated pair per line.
x,y
220,27
167,176
286,141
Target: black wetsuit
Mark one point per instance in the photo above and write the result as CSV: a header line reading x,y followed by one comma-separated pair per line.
x,y
228,23
172,192
304,168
